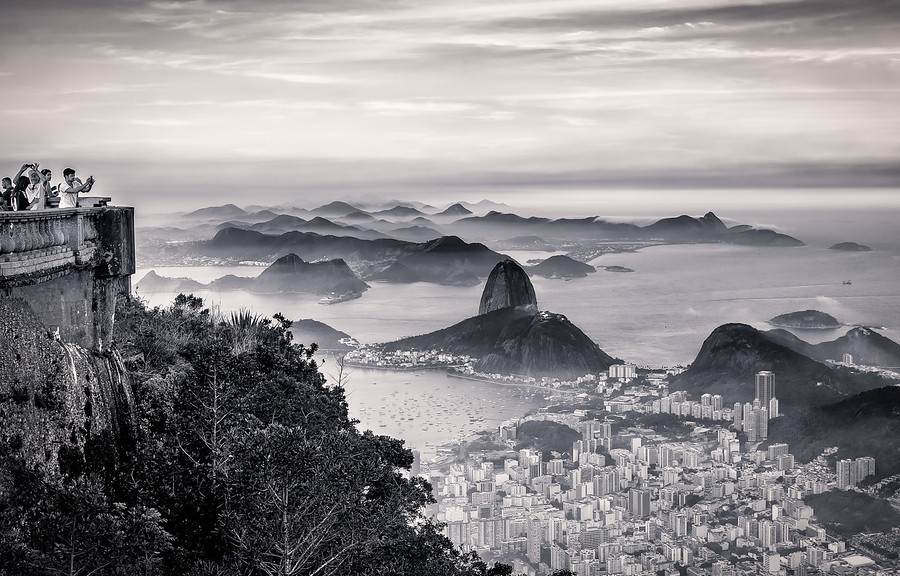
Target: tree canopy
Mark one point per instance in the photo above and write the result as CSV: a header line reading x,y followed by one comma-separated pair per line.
x,y
243,460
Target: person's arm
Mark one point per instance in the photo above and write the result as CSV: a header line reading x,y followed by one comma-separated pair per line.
x,y
20,172
86,187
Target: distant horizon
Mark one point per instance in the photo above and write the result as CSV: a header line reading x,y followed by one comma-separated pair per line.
x,y
822,225
668,105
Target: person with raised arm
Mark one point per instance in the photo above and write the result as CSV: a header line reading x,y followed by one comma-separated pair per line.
x,y
34,192
71,188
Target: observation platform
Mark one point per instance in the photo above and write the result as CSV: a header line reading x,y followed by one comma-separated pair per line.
x,y
69,264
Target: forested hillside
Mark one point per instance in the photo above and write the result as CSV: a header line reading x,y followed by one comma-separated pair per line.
x,y
241,460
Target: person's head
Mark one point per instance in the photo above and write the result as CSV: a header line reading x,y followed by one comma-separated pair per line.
x,y
69,175
6,183
22,183
34,177
47,173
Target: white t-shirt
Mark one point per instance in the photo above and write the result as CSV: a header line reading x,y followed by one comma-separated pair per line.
x,y
69,199
33,191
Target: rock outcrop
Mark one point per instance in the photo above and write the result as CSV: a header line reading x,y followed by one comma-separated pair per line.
x,y
507,286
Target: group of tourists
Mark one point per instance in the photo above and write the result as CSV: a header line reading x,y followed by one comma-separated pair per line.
x,y
35,192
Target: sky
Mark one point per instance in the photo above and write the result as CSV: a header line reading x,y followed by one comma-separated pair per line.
x,y
607,105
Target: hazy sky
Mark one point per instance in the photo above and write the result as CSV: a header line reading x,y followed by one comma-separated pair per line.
x,y
258,101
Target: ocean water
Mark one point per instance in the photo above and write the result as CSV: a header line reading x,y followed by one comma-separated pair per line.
x,y
657,315
427,408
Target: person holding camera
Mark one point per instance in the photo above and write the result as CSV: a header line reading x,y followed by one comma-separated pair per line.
x,y
71,188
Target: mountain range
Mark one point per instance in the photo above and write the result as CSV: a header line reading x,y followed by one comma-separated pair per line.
x,y
416,222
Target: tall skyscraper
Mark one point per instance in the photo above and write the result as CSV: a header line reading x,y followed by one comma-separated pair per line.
x,y
765,387
639,502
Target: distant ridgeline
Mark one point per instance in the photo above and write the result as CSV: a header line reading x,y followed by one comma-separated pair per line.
x,y
407,244
61,272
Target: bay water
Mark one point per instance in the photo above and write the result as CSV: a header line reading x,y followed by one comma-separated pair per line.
x,y
658,315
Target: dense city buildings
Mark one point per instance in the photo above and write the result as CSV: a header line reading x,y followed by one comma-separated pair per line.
x,y
636,501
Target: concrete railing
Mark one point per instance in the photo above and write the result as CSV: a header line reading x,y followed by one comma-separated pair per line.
x,y
34,243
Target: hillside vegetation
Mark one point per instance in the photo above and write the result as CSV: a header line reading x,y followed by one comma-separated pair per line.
x,y
243,460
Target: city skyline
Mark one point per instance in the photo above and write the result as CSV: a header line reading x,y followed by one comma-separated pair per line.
x,y
615,105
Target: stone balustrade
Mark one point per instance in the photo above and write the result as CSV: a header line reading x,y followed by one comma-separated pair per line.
x,y
40,242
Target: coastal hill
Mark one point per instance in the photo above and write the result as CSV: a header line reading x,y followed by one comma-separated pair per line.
x,y
153,282
561,266
288,274
450,260
307,331
510,336
291,274
516,341
687,227
867,346
806,319
732,354
850,247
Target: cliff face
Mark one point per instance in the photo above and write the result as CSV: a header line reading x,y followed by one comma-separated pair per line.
x,y
507,286
54,394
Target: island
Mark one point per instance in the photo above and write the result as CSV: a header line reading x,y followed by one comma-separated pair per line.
x,y
806,319
850,247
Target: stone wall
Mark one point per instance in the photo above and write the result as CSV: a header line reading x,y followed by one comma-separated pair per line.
x,y
69,266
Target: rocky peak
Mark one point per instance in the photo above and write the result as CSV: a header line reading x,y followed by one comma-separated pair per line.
x,y
507,286
712,222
